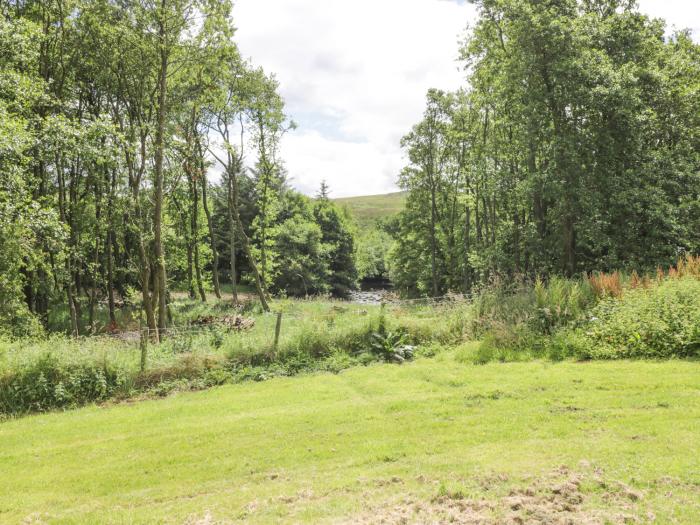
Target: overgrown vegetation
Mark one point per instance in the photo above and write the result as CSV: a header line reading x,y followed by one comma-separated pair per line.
x,y
604,316
59,372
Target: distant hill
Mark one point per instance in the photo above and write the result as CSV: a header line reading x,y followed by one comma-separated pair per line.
x,y
368,208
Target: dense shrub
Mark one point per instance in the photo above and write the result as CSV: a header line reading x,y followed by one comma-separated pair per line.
x,y
50,383
658,322
604,316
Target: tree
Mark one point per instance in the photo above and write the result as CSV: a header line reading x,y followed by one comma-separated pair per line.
x,y
338,245
556,157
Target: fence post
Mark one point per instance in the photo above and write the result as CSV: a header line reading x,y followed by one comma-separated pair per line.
x,y
278,327
381,327
143,342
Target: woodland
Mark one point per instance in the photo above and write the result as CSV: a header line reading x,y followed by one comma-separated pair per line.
x,y
140,155
187,338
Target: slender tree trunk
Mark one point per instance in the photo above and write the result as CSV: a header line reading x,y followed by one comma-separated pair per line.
x,y
96,255
467,248
109,257
110,279
194,231
144,260
477,219
569,246
246,247
516,241
433,242
212,238
494,220
159,252
190,271
232,232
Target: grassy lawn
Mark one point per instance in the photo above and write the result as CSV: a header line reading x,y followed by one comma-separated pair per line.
x,y
421,442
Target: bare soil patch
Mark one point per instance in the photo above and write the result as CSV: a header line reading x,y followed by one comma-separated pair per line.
x,y
561,497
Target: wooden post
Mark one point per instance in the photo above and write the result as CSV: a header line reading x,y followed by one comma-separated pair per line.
x,y
143,342
382,318
278,327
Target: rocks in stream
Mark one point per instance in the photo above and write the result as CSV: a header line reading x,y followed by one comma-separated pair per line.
x,y
368,297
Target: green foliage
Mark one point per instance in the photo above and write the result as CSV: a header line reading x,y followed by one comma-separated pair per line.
x,y
373,248
576,119
660,322
566,319
47,384
45,374
24,225
392,346
559,303
338,245
302,267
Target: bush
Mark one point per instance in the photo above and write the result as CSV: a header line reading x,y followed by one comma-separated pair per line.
x,y
659,322
607,316
49,383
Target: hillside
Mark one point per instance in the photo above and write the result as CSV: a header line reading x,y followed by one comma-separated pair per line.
x,y
368,208
594,442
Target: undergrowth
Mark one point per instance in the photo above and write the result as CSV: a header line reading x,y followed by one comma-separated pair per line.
x,y
601,316
59,372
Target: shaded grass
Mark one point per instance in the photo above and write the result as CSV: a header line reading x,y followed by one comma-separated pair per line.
x,y
318,448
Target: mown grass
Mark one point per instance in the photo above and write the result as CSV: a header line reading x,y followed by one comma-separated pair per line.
x,y
325,447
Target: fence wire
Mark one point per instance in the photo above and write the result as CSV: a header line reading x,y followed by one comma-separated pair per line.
x,y
387,304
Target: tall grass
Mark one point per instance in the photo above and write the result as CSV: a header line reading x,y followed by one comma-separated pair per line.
x,y
596,316
317,335
604,315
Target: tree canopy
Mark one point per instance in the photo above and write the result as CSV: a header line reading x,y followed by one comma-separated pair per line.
x,y
572,147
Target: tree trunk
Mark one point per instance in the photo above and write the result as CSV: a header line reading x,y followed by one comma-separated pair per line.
x,y
195,236
467,248
433,243
246,247
516,241
190,271
232,232
569,246
96,256
159,252
108,250
212,238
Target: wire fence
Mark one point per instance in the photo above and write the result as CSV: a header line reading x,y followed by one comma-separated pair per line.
x,y
387,303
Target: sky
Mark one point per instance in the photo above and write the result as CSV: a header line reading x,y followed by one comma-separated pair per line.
x,y
354,75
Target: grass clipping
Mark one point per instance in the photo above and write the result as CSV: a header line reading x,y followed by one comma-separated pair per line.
x,y
562,497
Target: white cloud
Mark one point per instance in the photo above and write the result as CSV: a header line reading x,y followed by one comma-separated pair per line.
x,y
354,76
679,14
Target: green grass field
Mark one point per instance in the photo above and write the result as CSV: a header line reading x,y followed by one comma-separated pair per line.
x,y
367,209
423,442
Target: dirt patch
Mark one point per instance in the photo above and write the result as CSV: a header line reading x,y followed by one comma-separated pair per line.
x,y
561,497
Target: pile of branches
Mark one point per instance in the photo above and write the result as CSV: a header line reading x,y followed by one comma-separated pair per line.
x,y
235,322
